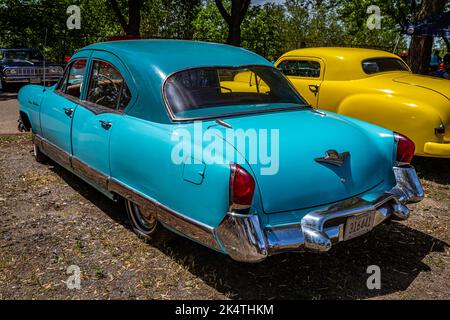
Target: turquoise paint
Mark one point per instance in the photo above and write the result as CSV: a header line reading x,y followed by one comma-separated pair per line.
x,y
137,149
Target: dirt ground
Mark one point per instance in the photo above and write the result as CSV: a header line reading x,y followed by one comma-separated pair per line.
x,y
50,220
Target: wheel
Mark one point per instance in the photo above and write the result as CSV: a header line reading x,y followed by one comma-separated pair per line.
x,y
146,226
38,155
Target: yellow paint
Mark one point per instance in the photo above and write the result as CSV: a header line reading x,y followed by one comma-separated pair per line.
x,y
410,104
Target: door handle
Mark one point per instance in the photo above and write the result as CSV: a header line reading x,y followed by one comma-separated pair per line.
x,y
314,88
105,124
68,112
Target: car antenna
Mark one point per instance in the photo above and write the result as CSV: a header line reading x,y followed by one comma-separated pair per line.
x,y
43,53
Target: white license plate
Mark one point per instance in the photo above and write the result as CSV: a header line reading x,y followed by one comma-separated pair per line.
x,y
35,80
358,225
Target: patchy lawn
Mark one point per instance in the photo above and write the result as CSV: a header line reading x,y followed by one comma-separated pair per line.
x,y
49,220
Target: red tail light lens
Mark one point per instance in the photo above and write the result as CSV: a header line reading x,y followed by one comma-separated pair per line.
x,y
242,186
405,148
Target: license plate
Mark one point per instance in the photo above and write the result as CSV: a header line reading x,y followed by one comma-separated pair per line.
x,y
35,80
358,225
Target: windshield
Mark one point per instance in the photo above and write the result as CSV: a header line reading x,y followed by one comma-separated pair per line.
x,y
221,91
21,55
378,65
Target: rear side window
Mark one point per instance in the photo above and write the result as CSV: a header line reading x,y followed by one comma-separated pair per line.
x,y
377,65
107,87
72,82
300,68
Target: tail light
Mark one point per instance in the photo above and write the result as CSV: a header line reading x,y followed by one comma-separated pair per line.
x,y
242,187
405,148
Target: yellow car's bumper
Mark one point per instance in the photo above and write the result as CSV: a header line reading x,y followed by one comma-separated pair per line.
x,y
437,149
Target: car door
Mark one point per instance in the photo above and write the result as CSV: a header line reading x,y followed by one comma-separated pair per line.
x,y
306,74
107,94
58,108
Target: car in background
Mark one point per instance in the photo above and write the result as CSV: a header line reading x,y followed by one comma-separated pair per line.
x,y
116,117
377,87
26,66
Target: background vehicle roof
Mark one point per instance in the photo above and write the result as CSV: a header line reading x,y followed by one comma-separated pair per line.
x,y
17,49
341,63
338,52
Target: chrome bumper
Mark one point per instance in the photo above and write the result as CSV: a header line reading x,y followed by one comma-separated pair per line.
x,y
244,239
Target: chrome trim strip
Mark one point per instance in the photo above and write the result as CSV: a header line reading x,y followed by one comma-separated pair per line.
x,y
86,171
197,231
193,229
53,151
244,239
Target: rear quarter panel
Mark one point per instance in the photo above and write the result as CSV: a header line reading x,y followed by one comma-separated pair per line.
x,y
141,158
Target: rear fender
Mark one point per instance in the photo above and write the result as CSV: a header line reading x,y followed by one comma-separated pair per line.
x,y
400,114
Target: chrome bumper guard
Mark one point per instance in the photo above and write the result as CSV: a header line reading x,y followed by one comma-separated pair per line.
x,y
244,239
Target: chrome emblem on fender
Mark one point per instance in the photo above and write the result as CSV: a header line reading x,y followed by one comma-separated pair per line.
x,y
333,157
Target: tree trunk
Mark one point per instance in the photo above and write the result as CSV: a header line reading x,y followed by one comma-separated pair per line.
x,y
447,43
133,25
422,46
234,20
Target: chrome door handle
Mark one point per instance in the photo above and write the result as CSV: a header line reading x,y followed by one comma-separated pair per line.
x,y
68,112
314,89
105,124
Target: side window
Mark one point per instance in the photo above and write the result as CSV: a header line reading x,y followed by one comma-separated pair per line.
x,y
72,81
107,87
300,68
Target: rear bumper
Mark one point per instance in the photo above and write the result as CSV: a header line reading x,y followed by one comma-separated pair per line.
x,y
244,238
437,149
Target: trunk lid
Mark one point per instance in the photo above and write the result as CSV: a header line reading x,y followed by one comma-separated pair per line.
x,y
302,182
441,86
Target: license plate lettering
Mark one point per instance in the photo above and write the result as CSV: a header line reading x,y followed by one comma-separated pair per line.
x,y
359,225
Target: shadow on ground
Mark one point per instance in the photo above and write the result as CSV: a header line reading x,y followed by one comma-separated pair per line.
x,y
433,169
340,274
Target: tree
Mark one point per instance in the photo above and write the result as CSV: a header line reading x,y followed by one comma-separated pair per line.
x,y
263,30
354,15
422,46
209,24
234,19
133,25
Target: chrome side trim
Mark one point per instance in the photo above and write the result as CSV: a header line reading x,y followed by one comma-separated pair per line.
x,y
83,169
244,239
195,230
53,151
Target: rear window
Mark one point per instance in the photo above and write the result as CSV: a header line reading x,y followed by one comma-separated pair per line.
x,y
220,91
377,65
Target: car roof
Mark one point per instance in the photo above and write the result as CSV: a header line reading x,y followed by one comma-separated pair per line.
x,y
169,56
17,49
342,63
151,62
336,52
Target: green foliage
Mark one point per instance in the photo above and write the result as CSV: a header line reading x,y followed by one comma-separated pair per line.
x,y
268,29
209,24
353,14
263,29
169,18
25,24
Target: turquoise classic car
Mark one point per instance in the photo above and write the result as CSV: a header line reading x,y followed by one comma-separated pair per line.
x,y
211,142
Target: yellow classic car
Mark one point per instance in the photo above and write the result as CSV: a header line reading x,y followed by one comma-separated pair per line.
x,y
377,87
